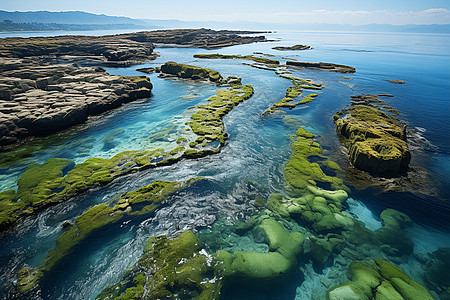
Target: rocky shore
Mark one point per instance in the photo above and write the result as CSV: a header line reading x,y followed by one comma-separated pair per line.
x,y
39,99
43,89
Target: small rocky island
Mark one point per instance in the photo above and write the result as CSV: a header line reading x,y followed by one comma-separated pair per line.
x,y
376,141
322,66
295,47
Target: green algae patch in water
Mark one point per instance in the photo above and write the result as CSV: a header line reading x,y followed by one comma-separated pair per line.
x,y
292,92
137,203
59,179
168,269
300,172
378,279
207,121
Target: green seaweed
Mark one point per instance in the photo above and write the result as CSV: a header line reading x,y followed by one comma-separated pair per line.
x,y
176,269
137,203
378,279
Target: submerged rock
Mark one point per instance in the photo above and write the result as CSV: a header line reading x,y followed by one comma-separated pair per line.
x,y
378,279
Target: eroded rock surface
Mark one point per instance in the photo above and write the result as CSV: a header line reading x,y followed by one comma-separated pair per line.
x,y
322,66
40,99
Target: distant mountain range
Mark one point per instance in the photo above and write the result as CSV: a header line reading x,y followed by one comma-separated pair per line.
x,y
79,20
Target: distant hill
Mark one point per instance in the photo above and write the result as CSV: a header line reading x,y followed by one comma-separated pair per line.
x,y
66,17
245,25
10,26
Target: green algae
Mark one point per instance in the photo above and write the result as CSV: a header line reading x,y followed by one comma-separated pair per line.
x,y
300,172
52,188
292,92
168,269
378,279
137,203
207,122
262,60
191,72
375,140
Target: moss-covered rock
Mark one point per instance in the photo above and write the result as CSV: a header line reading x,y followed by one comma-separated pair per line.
x,y
284,247
168,269
375,140
191,72
378,279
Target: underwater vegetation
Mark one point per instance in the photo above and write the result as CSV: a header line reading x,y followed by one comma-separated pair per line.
x,y
58,180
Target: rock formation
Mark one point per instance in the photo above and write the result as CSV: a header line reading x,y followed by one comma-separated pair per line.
x,y
322,66
41,99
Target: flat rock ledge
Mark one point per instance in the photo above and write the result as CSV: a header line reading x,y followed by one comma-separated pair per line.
x,y
322,66
40,99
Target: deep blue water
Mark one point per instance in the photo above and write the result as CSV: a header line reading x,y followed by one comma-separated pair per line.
x,y
253,157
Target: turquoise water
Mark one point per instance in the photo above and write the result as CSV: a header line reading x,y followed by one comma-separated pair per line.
x,y
251,164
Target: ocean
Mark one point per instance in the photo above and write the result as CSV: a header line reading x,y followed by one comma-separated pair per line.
x,y
251,163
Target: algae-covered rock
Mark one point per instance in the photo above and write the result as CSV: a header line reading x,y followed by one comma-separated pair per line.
x,y
284,247
375,140
168,269
300,172
378,279
191,72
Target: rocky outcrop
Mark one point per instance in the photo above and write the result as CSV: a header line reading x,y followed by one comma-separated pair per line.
x,y
190,72
41,99
376,142
130,48
295,47
322,66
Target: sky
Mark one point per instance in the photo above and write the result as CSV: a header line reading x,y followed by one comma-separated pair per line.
x,y
355,12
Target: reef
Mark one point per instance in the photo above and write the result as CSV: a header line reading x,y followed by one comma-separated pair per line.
x,y
40,99
376,142
292,92
436,275
378,279
322,66
257,59
135,204
295,47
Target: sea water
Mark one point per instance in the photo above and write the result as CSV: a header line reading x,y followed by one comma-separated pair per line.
x,y
252,161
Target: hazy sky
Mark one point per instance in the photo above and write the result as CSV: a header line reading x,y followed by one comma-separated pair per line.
x,y
282,11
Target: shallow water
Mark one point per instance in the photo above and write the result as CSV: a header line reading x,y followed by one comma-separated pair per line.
x,y
250,165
